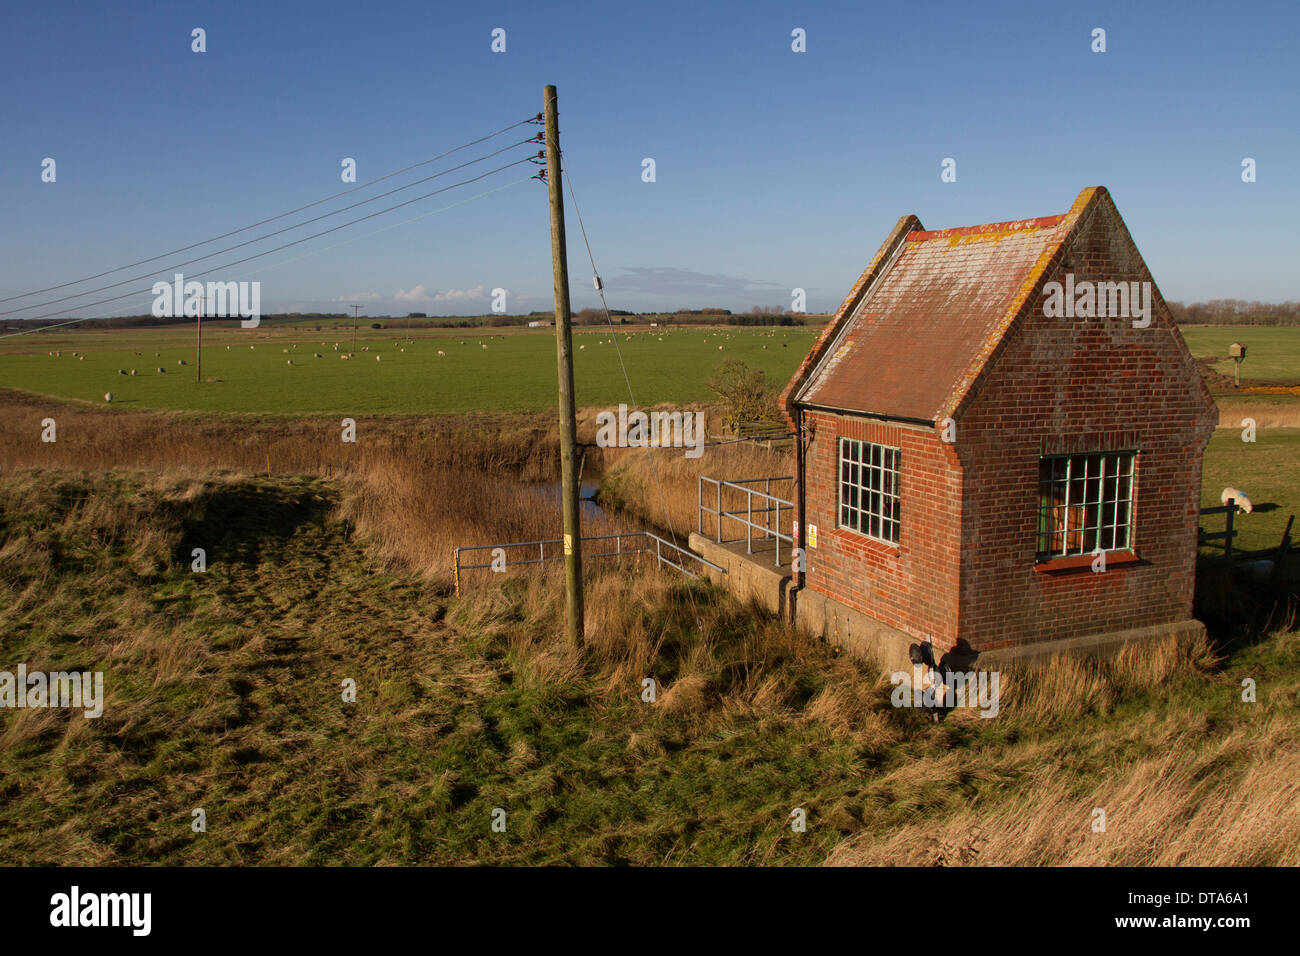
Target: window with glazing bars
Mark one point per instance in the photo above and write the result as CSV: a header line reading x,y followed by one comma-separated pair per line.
x,y
1085,504
869,489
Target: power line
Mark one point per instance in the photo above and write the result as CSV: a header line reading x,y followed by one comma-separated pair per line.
x,y
277,232
307,255
258,255
224,235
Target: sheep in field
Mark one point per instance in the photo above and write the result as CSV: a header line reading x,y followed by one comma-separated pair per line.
x,y
1240,497
441,353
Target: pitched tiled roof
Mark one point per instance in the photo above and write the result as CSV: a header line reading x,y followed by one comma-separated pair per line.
x,y
927,315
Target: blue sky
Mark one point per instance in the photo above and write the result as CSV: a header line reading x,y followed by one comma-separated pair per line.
x,y
774,169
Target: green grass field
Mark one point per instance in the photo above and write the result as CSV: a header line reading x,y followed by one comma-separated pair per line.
x,y
1272,353
516,372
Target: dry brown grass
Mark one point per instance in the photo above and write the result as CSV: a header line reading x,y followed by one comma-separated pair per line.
x,y
417,486
1154,736
661,486
1192,800
1266,411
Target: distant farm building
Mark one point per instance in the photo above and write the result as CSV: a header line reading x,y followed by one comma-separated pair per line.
x,y
1001,441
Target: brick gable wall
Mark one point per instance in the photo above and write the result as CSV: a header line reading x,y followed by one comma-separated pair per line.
x,y
1067,385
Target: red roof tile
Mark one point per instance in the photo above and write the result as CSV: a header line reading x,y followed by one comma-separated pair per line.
x,y
926,321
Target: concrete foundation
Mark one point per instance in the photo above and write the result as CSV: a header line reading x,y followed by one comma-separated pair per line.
x,y
755,576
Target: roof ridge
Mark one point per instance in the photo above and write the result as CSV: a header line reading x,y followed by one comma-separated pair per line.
x,y
1009,226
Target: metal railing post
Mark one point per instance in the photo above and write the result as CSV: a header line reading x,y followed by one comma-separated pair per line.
x,y
767,518
719,514
777,502
749,522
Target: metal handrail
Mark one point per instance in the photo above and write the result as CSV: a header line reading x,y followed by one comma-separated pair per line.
x,y
771,503
620,550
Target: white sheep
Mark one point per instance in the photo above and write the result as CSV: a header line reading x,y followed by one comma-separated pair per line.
x,y
441,353
288,361
108,396
1240,497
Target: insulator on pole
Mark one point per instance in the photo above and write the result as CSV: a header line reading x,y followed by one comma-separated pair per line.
x,y
595,280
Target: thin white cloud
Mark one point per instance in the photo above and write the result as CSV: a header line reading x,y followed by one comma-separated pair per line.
x,y
456,295
413,294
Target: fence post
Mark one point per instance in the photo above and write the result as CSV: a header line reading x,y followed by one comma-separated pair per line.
x,y
1227,541
719,515
455,569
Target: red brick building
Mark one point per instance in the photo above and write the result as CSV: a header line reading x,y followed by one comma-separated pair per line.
x,y
1001,438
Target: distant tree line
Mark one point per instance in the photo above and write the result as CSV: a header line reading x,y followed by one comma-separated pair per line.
x,y
1236,312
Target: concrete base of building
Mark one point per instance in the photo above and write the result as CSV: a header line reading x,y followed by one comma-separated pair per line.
x,y
755,577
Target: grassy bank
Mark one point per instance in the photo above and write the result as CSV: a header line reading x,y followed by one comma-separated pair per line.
x,y
224,692
224,688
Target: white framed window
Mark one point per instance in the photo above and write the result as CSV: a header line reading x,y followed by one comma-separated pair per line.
x,y
1085,504
868,501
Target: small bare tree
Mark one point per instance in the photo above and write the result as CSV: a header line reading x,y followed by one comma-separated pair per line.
x,y
744,393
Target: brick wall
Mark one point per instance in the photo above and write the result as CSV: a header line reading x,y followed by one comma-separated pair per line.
x,y
912,586
1067,385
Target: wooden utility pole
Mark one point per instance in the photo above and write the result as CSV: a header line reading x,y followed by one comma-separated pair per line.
x,y
198,346
564,358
